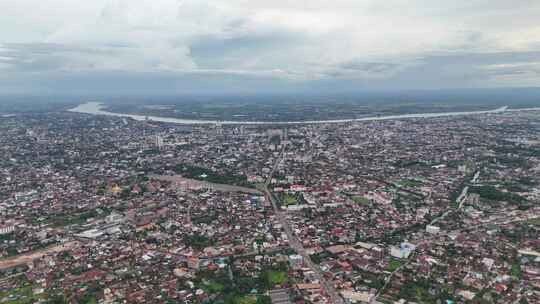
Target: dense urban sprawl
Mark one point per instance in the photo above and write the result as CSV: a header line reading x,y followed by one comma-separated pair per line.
x,y
98,209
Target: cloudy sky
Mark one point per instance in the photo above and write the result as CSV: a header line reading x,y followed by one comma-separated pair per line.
x,y
183,46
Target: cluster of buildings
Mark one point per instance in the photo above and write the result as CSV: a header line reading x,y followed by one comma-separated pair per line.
x,y
439,210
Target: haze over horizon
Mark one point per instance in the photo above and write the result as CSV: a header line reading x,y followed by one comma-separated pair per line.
x,y
220,47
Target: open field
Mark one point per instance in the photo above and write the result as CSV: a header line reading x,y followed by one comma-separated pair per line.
x,y
31,256
188,183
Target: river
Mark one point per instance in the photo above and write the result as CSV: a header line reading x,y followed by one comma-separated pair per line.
x,y
96,108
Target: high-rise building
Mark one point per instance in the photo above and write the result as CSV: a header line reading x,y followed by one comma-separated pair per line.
x,y
158,142
274,133
219,129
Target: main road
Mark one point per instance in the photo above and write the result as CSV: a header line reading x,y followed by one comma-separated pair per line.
x,y
294,243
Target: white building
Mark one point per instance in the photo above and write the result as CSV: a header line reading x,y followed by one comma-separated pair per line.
x,y
357,297
5,229
296,260
403,251
158,141
433,229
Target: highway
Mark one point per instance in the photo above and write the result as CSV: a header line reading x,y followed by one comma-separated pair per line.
x,y
294,243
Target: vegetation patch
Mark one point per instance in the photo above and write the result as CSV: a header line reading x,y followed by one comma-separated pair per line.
x,y
76,219
276,277
287,199
410,183
244,300
317,258
393,265
493,194
213,287
21,295
196,241
534,222
360,200
516,270
419,292
200,173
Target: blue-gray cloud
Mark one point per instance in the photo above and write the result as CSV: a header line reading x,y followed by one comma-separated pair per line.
x,y
279,45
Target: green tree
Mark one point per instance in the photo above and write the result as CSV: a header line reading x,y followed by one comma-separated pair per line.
x,y
264,300
57,299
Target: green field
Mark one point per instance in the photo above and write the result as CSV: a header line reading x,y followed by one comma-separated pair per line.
x,y
393,265
244,300
289,200
213,287
200,173
410,183
277,277
535,221
360,200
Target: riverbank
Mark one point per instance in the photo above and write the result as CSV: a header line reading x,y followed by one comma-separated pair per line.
x,y
96,108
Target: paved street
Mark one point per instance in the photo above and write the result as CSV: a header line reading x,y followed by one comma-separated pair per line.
x,y
294,242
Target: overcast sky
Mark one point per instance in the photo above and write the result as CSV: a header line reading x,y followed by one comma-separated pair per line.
x,y
182,46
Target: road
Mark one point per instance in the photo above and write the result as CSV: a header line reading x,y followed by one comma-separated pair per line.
x,y
389,278
293,241
460,200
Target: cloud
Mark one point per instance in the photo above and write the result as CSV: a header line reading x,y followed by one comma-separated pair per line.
x,y
367,70
49,56
382,44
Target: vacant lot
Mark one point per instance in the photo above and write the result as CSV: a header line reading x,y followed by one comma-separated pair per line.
x,y
26,258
